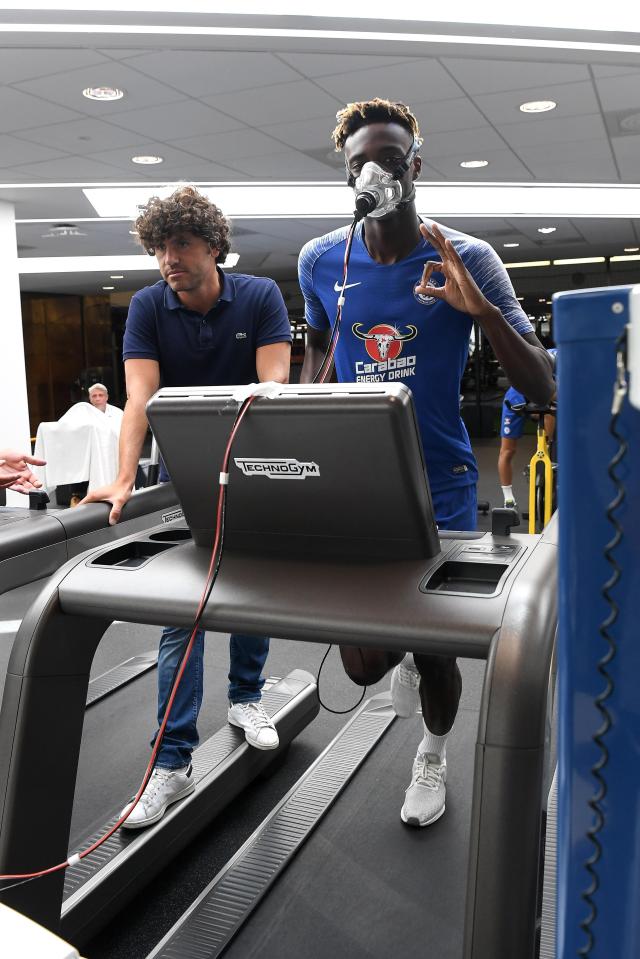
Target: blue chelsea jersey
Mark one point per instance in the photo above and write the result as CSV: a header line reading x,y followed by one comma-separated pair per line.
x,y
390,333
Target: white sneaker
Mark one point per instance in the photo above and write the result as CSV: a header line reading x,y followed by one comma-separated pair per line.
x,y
425,796
259,730
405,688
166,786
510,504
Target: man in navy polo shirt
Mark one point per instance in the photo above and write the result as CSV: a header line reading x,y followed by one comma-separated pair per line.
x,y
412,292
195,327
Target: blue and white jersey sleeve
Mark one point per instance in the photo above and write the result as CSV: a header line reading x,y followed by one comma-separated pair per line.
x,y
314,312
488,271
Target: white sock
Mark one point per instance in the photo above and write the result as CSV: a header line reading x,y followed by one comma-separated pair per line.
x,y
507,493
436,745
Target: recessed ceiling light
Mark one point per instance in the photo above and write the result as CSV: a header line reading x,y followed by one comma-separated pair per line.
x,y
631,249
538,106
117,276
474,164
542,299
511,244
520,298
547,229
108,287
147,159
58,230
103,93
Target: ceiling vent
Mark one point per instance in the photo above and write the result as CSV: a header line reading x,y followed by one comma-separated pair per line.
x,y
62,230
623,123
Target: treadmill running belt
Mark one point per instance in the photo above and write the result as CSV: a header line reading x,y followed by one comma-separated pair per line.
x,y
364,885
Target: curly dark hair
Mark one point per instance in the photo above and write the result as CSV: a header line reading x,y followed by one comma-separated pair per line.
x,y
356,115
186,209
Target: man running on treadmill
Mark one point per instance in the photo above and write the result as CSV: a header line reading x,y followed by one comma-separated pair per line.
x,y
195,327
414,288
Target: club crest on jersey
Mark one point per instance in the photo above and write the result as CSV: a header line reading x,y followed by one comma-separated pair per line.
x,y
383,341
422,298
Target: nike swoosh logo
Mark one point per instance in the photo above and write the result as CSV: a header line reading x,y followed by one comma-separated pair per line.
x,y
338,286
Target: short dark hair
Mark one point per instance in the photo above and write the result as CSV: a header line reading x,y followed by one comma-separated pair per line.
x,y
356,115
186,209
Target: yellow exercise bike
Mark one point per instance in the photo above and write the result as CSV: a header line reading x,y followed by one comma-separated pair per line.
x,y
541,469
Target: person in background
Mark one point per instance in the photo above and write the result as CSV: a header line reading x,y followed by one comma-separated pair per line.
x,y
99,398
511,428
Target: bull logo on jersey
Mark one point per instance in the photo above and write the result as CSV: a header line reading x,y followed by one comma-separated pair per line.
x,y
383,342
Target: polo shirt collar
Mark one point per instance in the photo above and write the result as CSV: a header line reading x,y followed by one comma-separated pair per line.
x,y
228,292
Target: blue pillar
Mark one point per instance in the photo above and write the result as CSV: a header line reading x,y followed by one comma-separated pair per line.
x,y
586,327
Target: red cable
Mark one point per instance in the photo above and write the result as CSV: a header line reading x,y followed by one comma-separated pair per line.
x,y
327,360
185,658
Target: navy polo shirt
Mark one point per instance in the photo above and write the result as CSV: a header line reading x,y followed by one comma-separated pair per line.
x,y
215,349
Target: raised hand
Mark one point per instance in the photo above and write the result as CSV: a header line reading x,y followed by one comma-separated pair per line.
x,y
460,289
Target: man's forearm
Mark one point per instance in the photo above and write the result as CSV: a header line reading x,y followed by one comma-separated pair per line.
x,y
527,367
132,436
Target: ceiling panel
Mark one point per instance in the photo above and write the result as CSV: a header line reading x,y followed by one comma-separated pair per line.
x,y
556,164
565,129
291,165
234,143
627,153
304,134
19,111
81,136
174,121
17,65
619,93
494,75
573,99
435,116
613,70
202,73
503,165
174,159
280,103
416,80
609,232
326,64
15,151
467,144
72,168
66,89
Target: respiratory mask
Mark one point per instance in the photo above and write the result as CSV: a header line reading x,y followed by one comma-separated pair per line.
x,y
378,191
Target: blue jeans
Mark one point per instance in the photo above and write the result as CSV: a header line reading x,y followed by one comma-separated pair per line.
x,y
247,655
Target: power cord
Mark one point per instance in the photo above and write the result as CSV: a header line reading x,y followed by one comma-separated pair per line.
x,y
597,770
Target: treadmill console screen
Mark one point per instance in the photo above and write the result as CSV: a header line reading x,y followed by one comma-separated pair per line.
x,y
333,470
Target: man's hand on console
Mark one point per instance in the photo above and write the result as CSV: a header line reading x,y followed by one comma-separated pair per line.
x,y
117,494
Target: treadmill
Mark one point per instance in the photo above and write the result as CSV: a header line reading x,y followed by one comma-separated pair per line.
x,y
36,541
303,561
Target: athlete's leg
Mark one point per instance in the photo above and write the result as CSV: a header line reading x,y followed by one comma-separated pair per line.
x,y
366,666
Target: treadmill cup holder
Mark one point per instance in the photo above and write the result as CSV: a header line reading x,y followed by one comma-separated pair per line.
x,y
467,578
131,555
171,536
